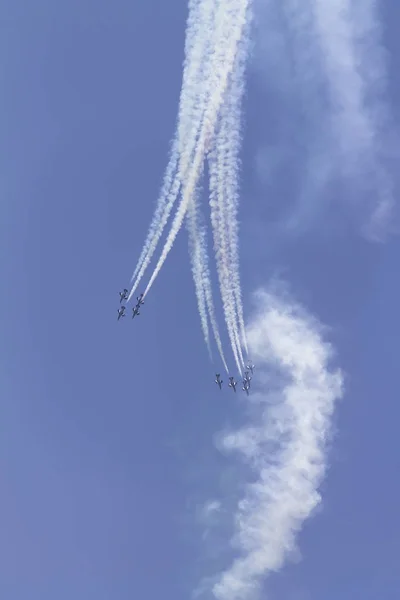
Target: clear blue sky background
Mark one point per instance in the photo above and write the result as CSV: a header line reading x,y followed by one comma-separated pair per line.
x,y
106,428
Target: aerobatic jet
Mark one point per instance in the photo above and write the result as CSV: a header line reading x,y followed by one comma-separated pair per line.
x,y
245,387
139,300
232,383
219,381
123,295
246,378
121,312
250,367
135,311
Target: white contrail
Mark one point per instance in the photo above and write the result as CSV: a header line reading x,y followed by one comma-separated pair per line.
x,y
195,251
195,88
228,138
160,217
213,319
189,118
221,58
215,29
201,276
232,31
283,444
223,166
163,211
218,225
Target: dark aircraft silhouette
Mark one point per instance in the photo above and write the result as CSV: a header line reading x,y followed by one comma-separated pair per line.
x,y
139,300
135,311
123,295
219,381
232,383
121,312
246,378
246,386
250,367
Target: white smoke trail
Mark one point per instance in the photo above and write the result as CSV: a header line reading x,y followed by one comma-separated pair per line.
x,y
231,32
223,161
192,106
283,444
228,143
164,206
196,256
215,29
195,86
218,225
213,319
201,275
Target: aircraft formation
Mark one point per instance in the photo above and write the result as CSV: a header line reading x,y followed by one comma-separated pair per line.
x,y
233,384
135,310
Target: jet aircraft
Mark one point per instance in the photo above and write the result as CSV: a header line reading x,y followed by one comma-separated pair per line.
x,y
232,383
219,381
250,367
245,387
246,378
135,311
123,295
121,312
140,300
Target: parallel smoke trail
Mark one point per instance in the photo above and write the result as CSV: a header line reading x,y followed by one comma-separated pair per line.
x,y
196,258
232,33
159,215
195,88
220,224
193,106
219,230
159,222
213,319
215,29
223,199
201,272
190,111
228,140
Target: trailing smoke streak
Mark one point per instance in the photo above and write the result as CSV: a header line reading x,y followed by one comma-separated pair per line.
x,y
221,212
158,218
220,82
220,216
215,29
192,106
195,89
213,319
162,215
224,59
201,274
218,229
194,56
197,268
228,140
204,87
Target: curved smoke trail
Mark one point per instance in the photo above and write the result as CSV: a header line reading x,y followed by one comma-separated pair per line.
x,y
231,33
215,30
190,111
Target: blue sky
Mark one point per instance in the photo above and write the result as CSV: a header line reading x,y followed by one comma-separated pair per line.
x,y
108,429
